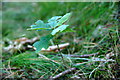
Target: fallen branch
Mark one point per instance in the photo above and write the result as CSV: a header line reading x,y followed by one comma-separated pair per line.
x,y
19,44
55,48
63,73
25,43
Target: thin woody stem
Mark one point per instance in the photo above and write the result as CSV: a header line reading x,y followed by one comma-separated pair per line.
x,y
60,53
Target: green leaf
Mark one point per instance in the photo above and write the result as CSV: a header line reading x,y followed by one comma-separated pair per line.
x,y
53,21
39,25
53,24
60,28
63,19
43,43
55,18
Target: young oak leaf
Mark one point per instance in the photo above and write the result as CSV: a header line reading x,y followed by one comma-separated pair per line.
x,y
43,43
59,29
53,21
40,25
64,19
53,24
55,18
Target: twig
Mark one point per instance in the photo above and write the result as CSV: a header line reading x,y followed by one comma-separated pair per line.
x,y
10,68
44,57
55,47
19,44
95,60
83,56
63,73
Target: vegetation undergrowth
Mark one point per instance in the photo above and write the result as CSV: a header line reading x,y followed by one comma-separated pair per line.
x,y
97,31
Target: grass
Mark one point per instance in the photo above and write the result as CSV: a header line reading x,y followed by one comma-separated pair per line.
x,y
86,17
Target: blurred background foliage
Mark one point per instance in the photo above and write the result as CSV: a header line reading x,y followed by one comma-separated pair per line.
x,y
17,17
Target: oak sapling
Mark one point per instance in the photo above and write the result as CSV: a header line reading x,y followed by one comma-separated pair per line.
x,y
55,24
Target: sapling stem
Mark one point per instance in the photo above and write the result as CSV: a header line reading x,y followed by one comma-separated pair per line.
x,y
60,53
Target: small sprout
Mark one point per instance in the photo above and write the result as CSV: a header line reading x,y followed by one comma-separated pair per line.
x,y
55,24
